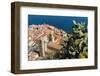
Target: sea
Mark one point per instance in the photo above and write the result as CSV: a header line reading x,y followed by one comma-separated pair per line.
x,y
61,22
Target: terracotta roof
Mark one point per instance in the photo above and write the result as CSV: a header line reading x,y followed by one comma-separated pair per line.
x,y
54,46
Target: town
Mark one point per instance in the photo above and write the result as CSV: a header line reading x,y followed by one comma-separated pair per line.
x,y
44,41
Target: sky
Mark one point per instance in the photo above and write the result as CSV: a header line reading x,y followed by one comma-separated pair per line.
x,y
62,22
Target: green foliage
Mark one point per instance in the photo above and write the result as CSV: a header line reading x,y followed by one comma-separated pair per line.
x,y
76,46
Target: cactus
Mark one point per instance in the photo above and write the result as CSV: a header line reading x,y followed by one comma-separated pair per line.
x,y
77,44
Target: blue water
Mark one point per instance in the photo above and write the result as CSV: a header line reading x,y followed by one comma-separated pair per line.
x,y
61,22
